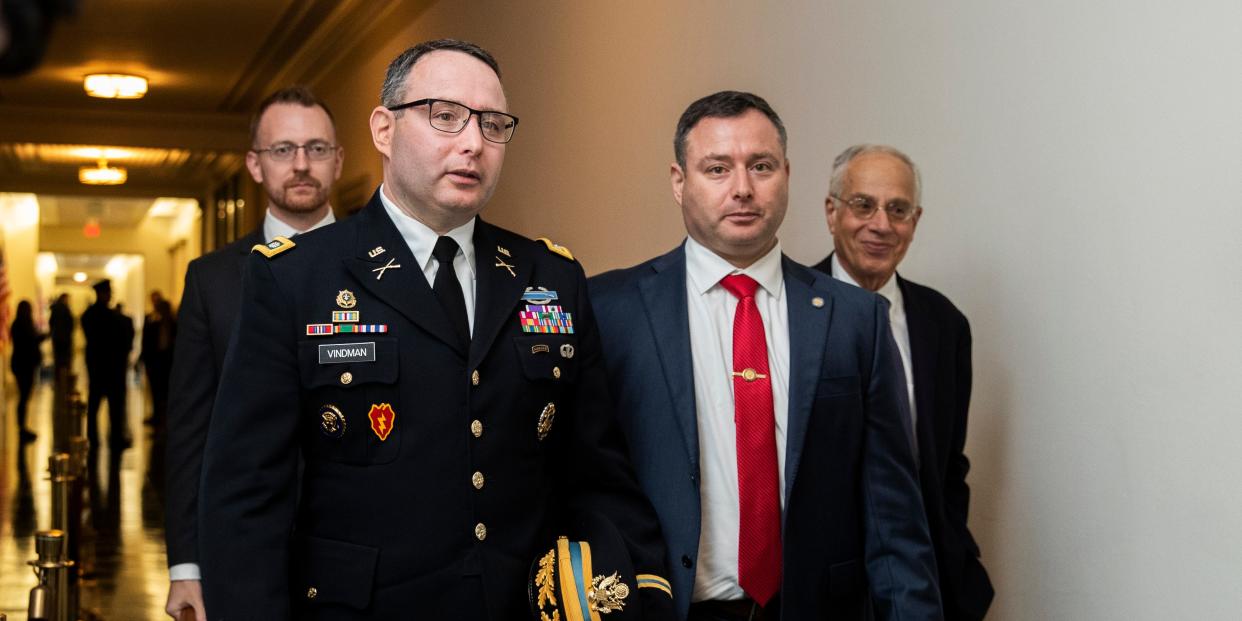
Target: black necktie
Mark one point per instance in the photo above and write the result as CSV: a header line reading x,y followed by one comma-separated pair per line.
x,y
448,289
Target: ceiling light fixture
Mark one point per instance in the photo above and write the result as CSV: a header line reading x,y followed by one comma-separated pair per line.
x,y
115,86
102,174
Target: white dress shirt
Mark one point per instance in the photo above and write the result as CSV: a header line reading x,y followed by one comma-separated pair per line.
x,y
711,309
272,227
901,329
421,240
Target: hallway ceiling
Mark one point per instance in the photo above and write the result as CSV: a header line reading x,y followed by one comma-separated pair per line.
x,y
208,63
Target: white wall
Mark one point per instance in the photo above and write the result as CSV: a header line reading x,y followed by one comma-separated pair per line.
x,y
1083,168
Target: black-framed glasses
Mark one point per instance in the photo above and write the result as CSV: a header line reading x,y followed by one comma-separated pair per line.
x,y
452,117
316,150
863,207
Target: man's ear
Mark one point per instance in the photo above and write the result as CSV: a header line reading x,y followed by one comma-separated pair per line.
x,y
252,164
678,179
383,123
830,212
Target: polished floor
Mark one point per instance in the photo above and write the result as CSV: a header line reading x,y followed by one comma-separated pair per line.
x,y
123,546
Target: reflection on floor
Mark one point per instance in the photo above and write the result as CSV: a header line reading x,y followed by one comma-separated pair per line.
x,y
130,577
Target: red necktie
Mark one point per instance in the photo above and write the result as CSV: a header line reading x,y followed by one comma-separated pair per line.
x,y
759,534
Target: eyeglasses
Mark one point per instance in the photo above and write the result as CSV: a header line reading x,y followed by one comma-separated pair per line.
x,y
316,150
452,117
863,207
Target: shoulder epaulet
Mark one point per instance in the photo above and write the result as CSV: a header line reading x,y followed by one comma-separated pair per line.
x,y
557,248
276,246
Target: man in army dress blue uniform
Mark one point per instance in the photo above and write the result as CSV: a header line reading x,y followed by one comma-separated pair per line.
x,y
441,379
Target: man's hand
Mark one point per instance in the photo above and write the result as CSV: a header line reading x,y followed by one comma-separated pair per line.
x,y
187,596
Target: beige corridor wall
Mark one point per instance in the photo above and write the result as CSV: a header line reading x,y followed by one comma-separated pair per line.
x,y
1081,165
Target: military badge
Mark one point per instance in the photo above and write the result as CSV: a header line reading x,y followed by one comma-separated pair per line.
x,y
501,263
276,246
557,248
382,420
318,329
538,295
331,421
360,328
345,299
546,418
376,251
540,319
567,351
391,265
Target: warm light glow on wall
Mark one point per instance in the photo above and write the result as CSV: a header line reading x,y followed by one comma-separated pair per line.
x,y
46,265
115,86
118,266
102,174
18,212
79,277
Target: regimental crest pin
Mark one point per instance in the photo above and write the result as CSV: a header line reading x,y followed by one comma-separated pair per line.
x,y
382,420
345,299
546,418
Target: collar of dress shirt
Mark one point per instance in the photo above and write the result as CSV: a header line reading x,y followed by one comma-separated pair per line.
x,y
705,268
890,290
273,226
421,239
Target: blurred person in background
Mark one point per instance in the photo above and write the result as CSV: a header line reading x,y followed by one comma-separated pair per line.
x,y
25,362
159,330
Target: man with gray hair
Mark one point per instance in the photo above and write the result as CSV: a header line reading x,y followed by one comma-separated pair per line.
x,y
873,207
441,379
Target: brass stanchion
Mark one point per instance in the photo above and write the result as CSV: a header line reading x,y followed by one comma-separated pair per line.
x,y
49,600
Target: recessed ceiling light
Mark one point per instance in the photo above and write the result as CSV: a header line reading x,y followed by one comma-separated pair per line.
x,y
115,86
79,277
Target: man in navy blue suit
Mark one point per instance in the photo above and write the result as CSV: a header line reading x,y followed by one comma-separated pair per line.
x,y
873,207
763,402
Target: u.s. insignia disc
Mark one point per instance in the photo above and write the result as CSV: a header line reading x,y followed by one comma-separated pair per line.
x,y
345,299
382,420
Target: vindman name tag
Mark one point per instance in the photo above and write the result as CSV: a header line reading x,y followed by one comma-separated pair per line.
x,y
346,352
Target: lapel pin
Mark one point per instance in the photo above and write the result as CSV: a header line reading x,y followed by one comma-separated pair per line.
x,y
817,302
501,263
388,266
376,251
503,250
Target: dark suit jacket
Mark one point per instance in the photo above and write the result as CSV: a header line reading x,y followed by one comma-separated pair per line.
x,y
940,354
207,313
853,516
400,526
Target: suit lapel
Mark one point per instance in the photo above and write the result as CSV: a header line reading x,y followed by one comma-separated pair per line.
x,y
664,300
808,331
924,343
497,291
404,289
